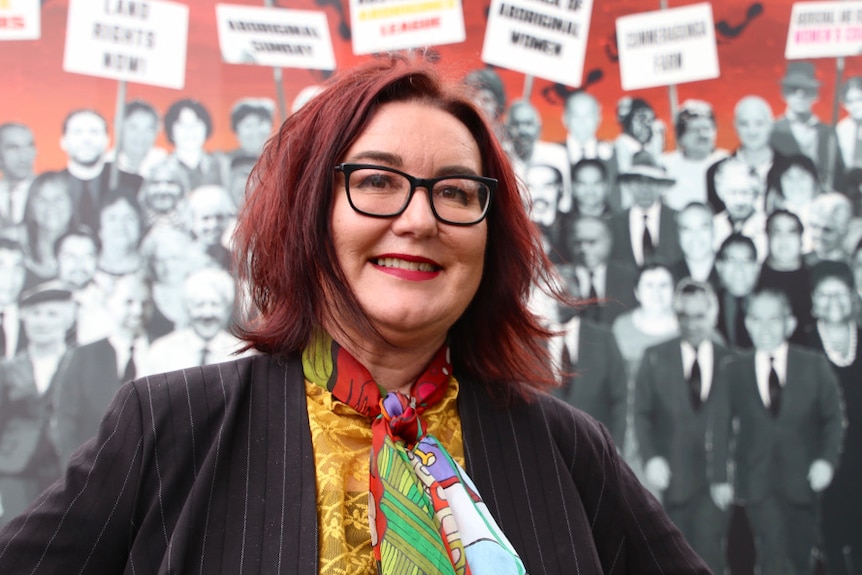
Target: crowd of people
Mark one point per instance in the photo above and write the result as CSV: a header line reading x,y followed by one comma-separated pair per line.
x,y
705,273
116,267
718,340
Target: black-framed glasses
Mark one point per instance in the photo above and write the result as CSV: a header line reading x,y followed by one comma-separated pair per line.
x,y
383,192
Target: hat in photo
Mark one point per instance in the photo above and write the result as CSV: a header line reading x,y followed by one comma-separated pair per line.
x,y
645,166
800,75
48,291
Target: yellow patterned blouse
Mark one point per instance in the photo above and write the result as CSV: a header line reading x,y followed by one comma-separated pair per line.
x,y
342,447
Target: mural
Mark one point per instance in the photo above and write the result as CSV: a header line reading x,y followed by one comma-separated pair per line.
x,y
714,228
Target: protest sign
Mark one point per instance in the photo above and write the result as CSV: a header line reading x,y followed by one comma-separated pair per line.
x,y
135,41
666,47
543,38
20,19
274,37
824,30
385,25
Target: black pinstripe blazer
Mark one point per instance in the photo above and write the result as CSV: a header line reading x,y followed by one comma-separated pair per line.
x,y
210,470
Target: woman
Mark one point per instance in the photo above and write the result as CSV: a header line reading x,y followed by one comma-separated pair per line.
x,y
120,231
48,214
792,184
262,465
838,335
188,125
652,322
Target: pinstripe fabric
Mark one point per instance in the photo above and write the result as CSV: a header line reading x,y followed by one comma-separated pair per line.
x,y
210,470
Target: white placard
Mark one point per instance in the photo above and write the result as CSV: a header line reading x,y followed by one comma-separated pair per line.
x,y
385,25
142,42
543,38
274,37
20,19
824,30
667,47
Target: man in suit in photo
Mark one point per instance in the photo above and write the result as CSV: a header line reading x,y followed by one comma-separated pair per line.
x,y
28,388
607,284
738,270
13,339
582,117
526,149
674,392
780,406
544,184
647,231
591,368
208,295
697,242
740,191
17,158
799,130
97,369
85,141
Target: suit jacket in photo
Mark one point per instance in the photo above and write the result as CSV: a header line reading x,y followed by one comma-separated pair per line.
x,y
783,141
619,295
27,431
666,423
667,251
726,322
87,196
211,470
773,454
598,385
86,390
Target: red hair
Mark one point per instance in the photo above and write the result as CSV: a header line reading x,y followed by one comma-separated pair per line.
x,y
284,241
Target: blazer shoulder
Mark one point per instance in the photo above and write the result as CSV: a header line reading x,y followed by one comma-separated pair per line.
x,y
225,382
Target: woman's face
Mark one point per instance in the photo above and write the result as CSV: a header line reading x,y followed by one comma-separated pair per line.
x,y
832,301
413,275
51,208
654,290
189,131
797,185
120,225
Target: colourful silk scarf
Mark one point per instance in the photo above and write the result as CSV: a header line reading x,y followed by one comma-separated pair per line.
x,y
425,513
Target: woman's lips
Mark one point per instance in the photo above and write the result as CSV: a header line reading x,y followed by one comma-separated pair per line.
x,y
412,268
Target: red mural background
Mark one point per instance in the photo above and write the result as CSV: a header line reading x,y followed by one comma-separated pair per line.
x,y
37,92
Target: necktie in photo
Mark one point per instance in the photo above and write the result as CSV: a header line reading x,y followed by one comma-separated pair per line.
x,y
130,370
2,335
774,389
857,150
205,352
738,321
648,246
566,364
591,311
695,384
593,294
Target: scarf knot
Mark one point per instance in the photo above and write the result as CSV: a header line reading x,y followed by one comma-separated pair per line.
x,y
401,418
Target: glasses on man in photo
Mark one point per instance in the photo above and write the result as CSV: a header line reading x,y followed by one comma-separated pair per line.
x,y
383,192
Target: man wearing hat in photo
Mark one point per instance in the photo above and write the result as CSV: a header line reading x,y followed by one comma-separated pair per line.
x,y
28,384
799,130
646,231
